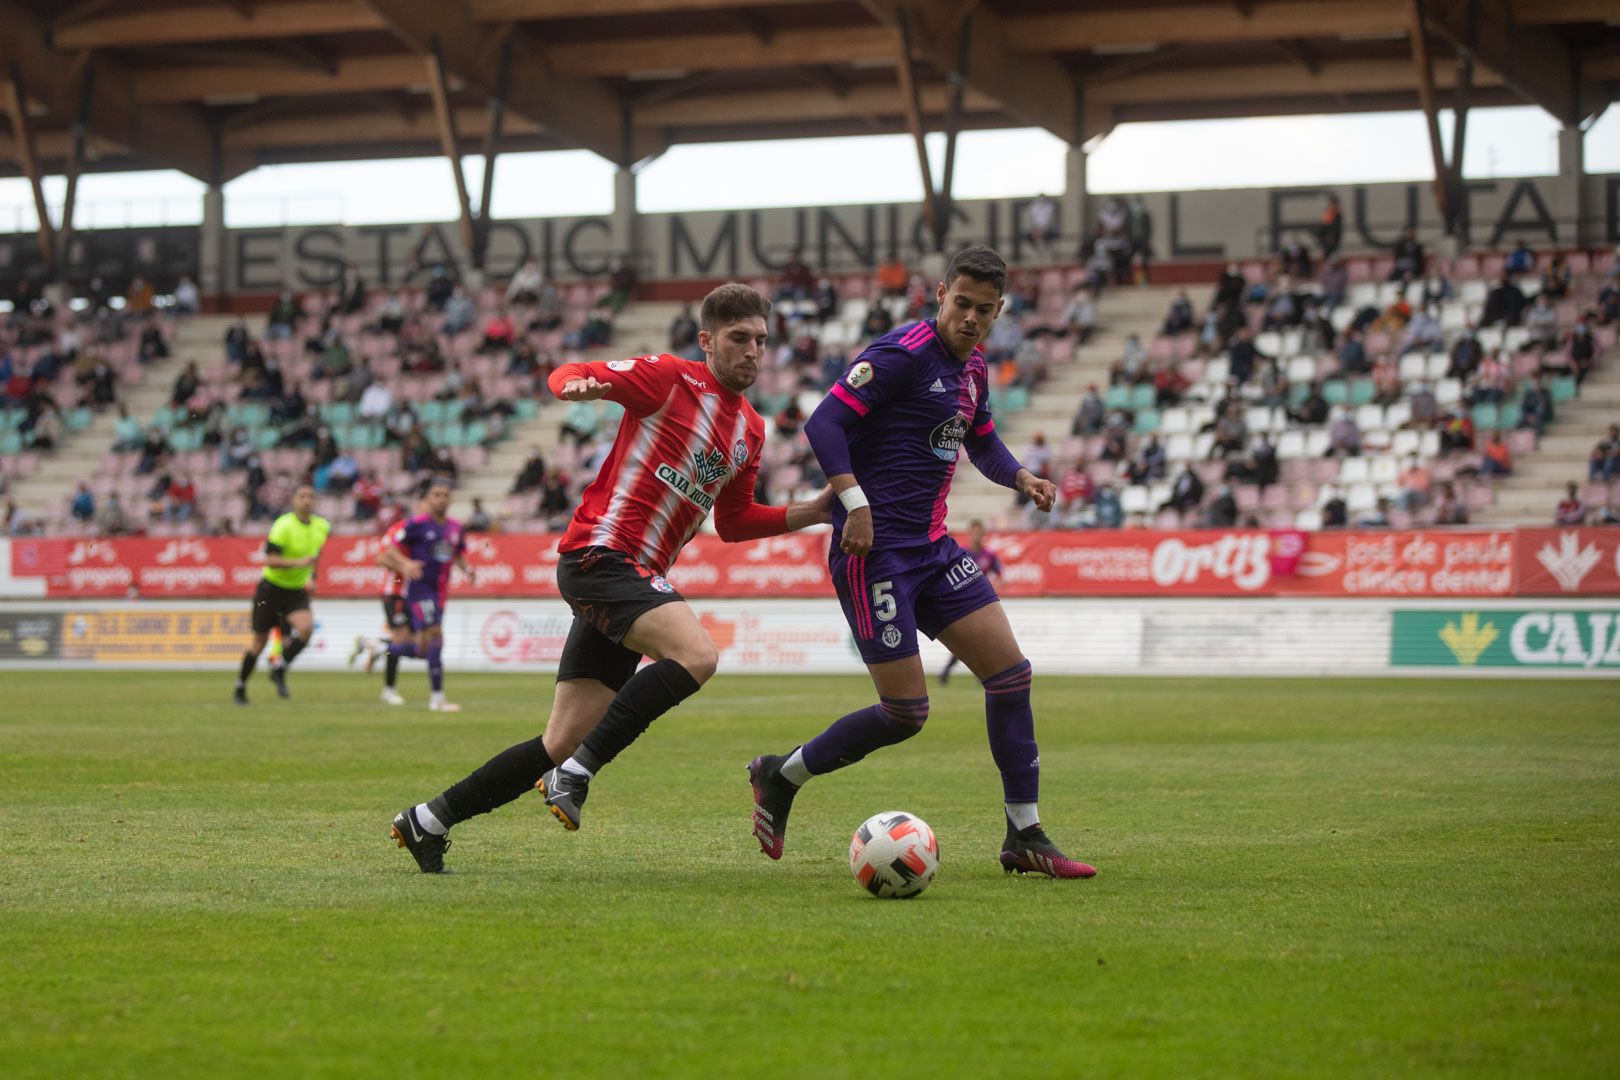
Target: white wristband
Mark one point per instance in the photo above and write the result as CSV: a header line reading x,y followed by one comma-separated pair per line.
x,y
853,498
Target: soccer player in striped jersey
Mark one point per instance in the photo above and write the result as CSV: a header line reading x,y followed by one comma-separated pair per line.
x,y
689,443
888,437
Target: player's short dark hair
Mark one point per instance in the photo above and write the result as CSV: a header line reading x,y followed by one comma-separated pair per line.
x,y
302,484
979,262
732,302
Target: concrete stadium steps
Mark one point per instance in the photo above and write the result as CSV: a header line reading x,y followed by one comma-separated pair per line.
x,y
642,328
80,458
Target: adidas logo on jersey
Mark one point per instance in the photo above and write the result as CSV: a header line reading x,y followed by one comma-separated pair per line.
x,y
937,388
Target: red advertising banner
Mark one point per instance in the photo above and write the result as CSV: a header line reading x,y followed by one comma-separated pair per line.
x,y
1435,564
1569,562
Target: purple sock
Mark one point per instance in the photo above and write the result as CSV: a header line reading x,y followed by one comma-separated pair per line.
x,y
405,649
1011,724
435,664
852,737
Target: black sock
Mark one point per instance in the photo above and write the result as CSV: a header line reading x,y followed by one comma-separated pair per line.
x,y
249,659
291,647
494,783
391,671
650,693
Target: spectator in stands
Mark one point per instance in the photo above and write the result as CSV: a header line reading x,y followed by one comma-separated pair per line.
x,y
181,498
1603,464
1318,334
1377,517
826,299
1457,432
1079,317
1386,379
526,284
352,386
1040,226
1259,467
236,340
152,345
1335,514
1394,318
1492,380
415,453
1498,459
1295,261
1131,367
1410,260
443,464
1187,493
138,300
111,520
598,330
1088,418
1414,482
1542,322
1536,407
1607,309
399,423
1353,354
547,314
533,473
1169,384
1141,233
459,313
15,520
1180,317
127,434
1333,281
236,451
1006,335
98,383
1330,233
1425,407
1312,410
1570,510
376,402
283,317
352,293
1242,355
187,297
1106,508
1582,352
289,406
891,278
1344,435
441,287
154,451
84,504
335,361
1222,512
522,359
368,496
1075,493
1231,431
1282,311
498,332
390,317
1149,463
1504,304
555,504
683,331
1466,354
1448,509
1037,457
1521,260
1437,290
623,282
1423,333
878,322
478,521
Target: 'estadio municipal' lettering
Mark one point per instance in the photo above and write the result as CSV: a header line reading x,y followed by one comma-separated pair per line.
x,y
1246,560
682,484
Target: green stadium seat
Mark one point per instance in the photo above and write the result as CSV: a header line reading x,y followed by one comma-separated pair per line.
x,y
185,439
1336,392
452,409
431,413
1563,388
10,443
1486,415
1509,416
1143,397
1117,397
474,433
248,414
1297,393
80,418
1361,392
1147,420
525,408
264,438
337,412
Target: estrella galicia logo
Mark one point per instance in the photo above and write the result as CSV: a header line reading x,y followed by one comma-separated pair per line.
x,y
708,467
946,439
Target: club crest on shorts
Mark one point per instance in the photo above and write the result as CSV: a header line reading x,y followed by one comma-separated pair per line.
x,y
859,375
739,453
660,584
891,636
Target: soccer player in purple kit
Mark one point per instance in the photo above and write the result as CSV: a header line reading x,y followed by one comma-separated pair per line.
x,y
421,550
888,437
990,564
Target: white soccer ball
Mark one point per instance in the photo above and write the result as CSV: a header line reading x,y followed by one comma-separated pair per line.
x,y
894,854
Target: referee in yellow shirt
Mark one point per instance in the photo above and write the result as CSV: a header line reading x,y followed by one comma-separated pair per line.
x,y
282,598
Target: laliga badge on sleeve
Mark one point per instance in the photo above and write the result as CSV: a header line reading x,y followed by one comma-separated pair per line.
x,y
859,375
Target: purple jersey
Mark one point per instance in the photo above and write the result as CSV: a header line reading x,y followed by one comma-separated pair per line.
x,y
917,403
434,544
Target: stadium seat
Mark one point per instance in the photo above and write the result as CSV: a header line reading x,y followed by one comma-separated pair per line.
x,y
1146,420
1486,415
1563,388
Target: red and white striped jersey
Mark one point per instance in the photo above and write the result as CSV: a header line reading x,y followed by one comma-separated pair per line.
x,y
686,446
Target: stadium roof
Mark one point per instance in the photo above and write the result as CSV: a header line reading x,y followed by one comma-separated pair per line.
x,y
217,87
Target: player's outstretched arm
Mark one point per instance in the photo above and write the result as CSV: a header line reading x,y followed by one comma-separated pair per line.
x,y
828,433
992,458
641,385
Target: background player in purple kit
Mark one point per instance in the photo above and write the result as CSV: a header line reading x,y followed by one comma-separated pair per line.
x,y
989,564
894,426
423,549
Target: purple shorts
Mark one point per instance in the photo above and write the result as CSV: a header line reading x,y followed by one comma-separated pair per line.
x,y
425,608
892,593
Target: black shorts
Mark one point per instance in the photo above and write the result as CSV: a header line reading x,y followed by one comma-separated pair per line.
x,y
395,613
272,604
607,591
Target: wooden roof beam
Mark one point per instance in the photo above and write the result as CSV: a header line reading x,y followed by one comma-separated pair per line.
x,y
1532,61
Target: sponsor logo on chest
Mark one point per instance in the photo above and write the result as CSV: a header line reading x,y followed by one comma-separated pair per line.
x,y
708,466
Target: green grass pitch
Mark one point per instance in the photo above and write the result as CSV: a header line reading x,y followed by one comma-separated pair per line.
x,y
1297,878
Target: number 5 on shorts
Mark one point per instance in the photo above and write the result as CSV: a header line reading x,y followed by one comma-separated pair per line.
x,y
883,600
